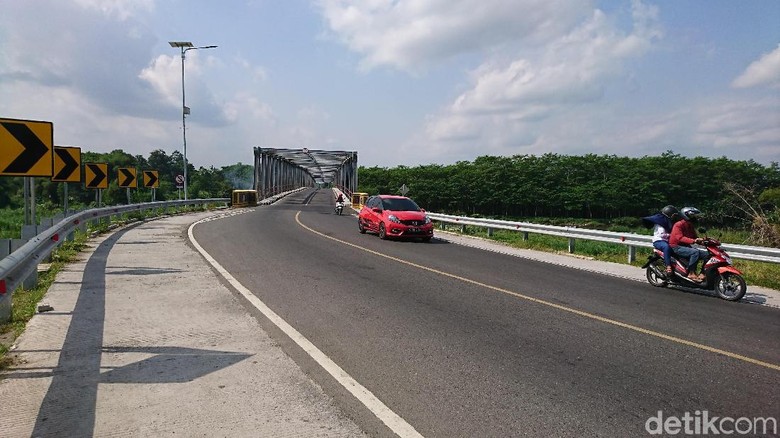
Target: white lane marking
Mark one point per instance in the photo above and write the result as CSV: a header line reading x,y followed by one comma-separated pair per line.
x,y
369,400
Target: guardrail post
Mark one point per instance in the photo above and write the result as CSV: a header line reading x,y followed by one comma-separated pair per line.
x,y
631,254
490,232
5,248
31,281
571,245
525,235
463,229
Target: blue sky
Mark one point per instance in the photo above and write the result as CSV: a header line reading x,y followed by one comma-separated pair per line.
x,y
402,82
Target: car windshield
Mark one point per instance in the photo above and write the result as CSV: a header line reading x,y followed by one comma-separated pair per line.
x,y
399,204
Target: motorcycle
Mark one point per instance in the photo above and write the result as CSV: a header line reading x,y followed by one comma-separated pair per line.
x,y
720,275
339,208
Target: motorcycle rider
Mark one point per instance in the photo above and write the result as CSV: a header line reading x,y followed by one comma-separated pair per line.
x,y
662,228
339,200
683,236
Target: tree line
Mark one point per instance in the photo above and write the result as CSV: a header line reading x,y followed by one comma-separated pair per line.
x,y
589,186
521,186
202,182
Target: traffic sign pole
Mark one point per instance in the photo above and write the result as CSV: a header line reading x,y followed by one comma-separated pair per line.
x,y
65,201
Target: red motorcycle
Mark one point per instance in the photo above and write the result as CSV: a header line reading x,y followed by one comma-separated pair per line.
x,y
720,275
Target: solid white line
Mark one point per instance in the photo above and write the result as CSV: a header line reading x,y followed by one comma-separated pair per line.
x,y
369,400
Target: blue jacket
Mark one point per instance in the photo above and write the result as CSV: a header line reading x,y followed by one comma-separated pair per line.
x,y
658,219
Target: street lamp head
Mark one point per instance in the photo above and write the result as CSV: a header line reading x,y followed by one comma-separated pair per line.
x,y
180,44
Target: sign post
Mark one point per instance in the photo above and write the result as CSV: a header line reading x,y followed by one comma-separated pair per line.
x,y
67,166
179,183
152,180
26,150
96,177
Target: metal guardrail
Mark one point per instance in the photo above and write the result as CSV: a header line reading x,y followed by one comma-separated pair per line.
x,y
23,263
632,241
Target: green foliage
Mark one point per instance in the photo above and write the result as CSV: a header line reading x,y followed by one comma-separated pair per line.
x,y
770,197
11,221
604,187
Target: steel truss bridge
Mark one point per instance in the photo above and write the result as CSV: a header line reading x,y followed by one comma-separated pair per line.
x,y
281,170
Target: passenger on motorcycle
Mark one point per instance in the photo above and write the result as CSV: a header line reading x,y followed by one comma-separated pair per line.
x,y
683,236
662,228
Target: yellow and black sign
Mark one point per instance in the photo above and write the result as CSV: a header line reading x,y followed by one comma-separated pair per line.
x,y
26,147
96,175
67,164
127,177
151,179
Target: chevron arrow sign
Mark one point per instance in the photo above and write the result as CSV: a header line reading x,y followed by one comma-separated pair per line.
x,y
96,175
151,179
26,147
67,163
127,177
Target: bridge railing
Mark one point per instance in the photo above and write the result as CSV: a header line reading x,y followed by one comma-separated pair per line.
x,y
21,265
630,240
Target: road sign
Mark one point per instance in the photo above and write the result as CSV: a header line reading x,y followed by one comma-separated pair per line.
x,y
179,181
96,175
26,147
151,179
127,177
404,190
67,164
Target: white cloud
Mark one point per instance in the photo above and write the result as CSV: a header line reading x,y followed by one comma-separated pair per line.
x,y
164,75
763,72
122,9
741,128
535,97
258,73
414,34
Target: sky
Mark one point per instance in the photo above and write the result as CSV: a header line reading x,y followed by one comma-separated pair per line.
x,y
402,82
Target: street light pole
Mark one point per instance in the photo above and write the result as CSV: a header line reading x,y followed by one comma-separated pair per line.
x,y
185,46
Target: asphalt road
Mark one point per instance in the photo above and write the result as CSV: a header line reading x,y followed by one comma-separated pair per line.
x,y
463,342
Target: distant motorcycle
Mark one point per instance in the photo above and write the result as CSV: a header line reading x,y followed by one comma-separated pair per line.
x,y
720,275
339,208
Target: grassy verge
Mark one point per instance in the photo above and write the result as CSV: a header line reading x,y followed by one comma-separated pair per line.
x,y
755,273
25,302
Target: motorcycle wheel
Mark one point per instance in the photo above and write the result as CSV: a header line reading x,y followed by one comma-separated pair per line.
x,y
730,287
655,274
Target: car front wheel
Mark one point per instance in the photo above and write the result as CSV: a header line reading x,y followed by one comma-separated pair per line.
x,y
361,228
382,231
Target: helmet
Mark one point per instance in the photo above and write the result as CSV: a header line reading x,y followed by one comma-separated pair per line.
x,y
670,211
690,213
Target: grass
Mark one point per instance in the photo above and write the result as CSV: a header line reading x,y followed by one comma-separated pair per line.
x,y
25,301
755,273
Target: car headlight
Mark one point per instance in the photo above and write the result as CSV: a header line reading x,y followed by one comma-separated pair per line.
x,y
392,218
427,219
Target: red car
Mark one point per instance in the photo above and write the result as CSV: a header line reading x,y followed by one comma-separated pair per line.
x,y
394,217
